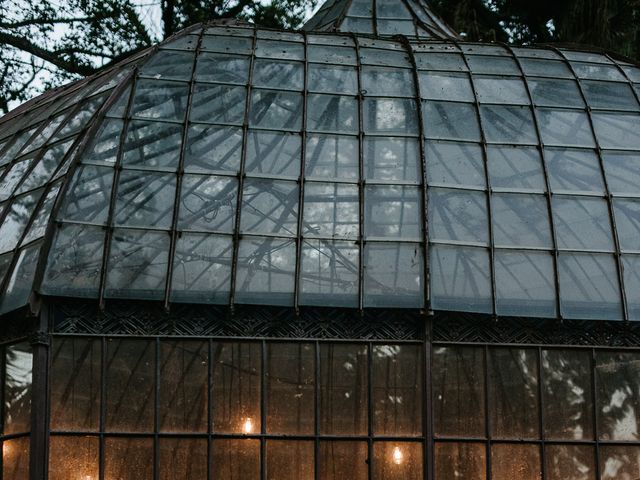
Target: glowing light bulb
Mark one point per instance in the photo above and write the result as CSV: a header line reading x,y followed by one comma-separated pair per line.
x,y
247,426
397,456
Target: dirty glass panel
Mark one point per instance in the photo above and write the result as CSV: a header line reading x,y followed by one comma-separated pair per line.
x,y
16,220
572,170
137,264
218,67
334,54
290,394
276,110
553,92
393,275
269,206
290,459
450,121
45,167
516,167
458,392
589,286
75,384
332,113
397,390
567,394
20,286
491,64
627,212
385,81
168,64
160,99
525,283
274,49
331,210
501,90
273,153
208,202
454,164
104,147
515,461
458,215
389,158
623,172
18,377
392,212
521,220
610,95
460,279
631,271
446,86
15,455
565,128
617,130
619,462
227,44
582,223
234,458
545,68
183,458
237,377
570,462
460,460
332,157
513,393
13,177
440,61
212,148
130,385
276,74
218,104
591,71
145,199
88,196
128,458
339,460
153,145
73,456
507,124
184,372
266,268
397,460
390,116
332,79
343,389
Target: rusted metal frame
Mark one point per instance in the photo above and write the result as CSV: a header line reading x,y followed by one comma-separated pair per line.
x,y
595,410
264,371
102,408
427,409
541,413
156,410
487,416
180,176
210,412
485,158
316,400
547,182
608,195
242,173
301,183
417,22
374,17
424,180
338,21
370,416
361,175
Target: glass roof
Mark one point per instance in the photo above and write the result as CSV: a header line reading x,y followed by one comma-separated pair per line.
x,y
240,165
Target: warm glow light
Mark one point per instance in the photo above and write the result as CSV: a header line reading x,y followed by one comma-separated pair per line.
x,y
87,477
397,456
247,426
6,449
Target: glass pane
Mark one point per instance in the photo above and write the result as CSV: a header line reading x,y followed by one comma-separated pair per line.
x,y
329,273
269,206
137,264
390,116
397,461
290,459
521,220
627,214
169,64
145,200
72,457
12,178
393,275
183,458
273,74
392,159
589,286
501,90
236,459
513,393
392,212
515,461
128,458
452,121
130,387
383,81
525,283
597,72
567,394
212,149
458,392
218,104
553,92
153,145
343,392
458,215
45,168
565,128
331,210
208,203
276,110
18,388
460,460
332,79
618,380
610,95
582,223
574,170
455,164
88,196
340,460
202,268
507,124
570,462
75,384
332,113
617,130
516,167
397,390
631,271
15,459
236,387
446,86
623,172
274,153
460,279
266,268
15,222
332,157
217,67
184,373
619,462
160,99
290,394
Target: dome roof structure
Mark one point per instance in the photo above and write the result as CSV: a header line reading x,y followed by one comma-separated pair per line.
x,y
370,160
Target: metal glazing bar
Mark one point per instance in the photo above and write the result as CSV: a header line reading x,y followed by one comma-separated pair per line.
x,y
180,176
487,417
485,158
626,76
316,470
263,410
595,410
612,217
156,411
541,413
241,173
370,408
301,183
374,18
427,421
210,409
423,171
547,182
103,406
338,21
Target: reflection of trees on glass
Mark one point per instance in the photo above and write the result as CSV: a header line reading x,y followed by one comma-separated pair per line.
x,y
17,389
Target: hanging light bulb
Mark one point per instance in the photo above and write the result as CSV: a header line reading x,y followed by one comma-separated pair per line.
x,y
247,426
397,456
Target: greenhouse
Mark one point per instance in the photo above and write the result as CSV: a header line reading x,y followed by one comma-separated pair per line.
x,y
367,249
